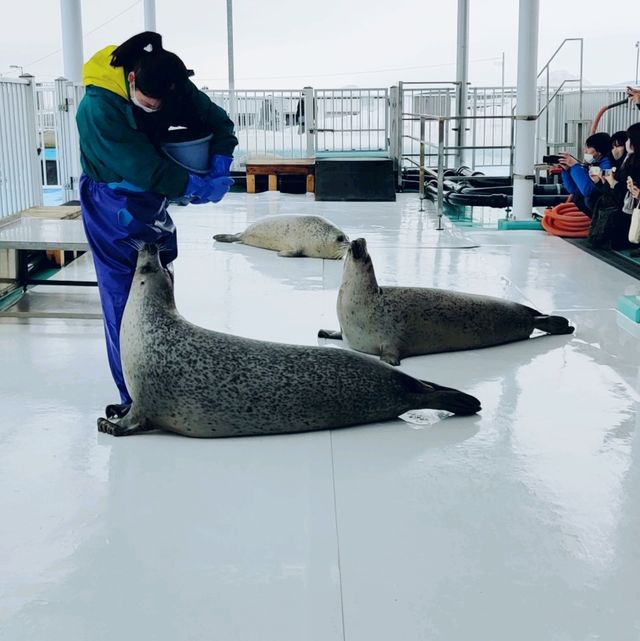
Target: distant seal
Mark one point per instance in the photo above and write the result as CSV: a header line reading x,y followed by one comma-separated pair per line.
x,y
293,236
197,382
396,322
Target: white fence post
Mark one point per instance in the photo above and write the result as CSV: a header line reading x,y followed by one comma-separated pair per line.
x,y
67,98
32,138
309,120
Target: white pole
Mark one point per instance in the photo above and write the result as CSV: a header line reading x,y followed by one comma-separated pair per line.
x,y
462,73
71,15
525,131
150,15
232,82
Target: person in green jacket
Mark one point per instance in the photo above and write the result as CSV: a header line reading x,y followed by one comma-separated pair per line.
x,y
134,94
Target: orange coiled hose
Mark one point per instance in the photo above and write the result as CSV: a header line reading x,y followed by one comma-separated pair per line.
x,y
566,220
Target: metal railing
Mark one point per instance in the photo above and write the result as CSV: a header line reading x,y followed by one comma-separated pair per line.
x,y
438,174
295,123
308,122
68,96
20,180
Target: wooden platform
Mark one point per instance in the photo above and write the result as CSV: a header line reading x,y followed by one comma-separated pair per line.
x,y
58,212
273,167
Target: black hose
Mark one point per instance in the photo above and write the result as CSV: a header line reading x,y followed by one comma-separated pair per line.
x,y
551,189
500,201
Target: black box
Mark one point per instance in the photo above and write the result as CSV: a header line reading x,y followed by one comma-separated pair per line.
x,y
354,179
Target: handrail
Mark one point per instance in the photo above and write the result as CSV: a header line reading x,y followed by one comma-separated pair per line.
x,y
546,67
441,120
556,52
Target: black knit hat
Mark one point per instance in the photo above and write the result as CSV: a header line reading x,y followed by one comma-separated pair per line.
x,y
158,72
601,142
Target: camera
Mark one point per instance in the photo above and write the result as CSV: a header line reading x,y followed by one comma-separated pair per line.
x,y
594,170
554,159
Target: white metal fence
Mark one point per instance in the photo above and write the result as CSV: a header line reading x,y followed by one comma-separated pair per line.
x,y
303,123
297,123
20,181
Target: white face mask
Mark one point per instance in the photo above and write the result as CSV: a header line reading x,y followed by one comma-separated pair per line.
x,y
617,152
588,158
134,100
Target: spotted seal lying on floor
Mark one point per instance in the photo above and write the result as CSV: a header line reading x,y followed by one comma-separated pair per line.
x,y
396,322
196,382
293,236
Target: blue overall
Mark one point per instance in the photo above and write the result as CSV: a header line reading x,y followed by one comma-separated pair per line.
x,y
117,218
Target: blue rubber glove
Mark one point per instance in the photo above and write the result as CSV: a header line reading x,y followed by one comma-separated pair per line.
x,y
207,190
220,166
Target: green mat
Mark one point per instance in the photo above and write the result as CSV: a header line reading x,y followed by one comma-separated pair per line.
x,y
618,259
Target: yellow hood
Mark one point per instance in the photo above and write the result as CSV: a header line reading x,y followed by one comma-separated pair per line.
x,y
99,72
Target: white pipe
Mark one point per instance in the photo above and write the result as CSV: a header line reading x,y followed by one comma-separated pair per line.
x,y
150,15
525,130
71,15
462,72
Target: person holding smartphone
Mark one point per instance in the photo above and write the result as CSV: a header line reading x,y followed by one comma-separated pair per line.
x,y
576,176
611,217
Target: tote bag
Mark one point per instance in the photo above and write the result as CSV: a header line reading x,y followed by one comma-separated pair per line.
x,y
634,228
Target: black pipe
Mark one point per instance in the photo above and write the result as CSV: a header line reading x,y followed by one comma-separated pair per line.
x,y
500,201
550,189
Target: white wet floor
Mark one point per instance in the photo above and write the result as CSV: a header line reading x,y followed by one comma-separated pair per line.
x,y
521,523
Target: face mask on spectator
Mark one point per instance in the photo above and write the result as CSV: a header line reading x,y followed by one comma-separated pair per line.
x,y
588,158
617,152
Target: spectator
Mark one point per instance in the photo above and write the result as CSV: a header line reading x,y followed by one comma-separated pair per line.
x,y
618,148
634,95
575,176
613,232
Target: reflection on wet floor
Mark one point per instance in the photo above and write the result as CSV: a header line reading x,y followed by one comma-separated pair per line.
x,y
519,523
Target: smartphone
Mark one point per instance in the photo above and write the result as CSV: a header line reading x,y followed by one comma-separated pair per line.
x,y
609,172
595,171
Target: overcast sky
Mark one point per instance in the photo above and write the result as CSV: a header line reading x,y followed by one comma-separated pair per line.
x,y
334,43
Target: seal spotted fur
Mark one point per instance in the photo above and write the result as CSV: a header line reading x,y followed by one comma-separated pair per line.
x,y
293,236
196,382
396,322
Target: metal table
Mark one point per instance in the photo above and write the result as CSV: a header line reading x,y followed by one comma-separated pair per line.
x,y
27,234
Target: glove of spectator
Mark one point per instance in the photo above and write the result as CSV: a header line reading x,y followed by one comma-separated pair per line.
x,y
207,190
220,166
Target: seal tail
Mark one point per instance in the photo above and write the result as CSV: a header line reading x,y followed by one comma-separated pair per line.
x,y
227,238
553,324
449,399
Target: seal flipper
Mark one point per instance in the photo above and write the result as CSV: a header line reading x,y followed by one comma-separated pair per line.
x,y
228,238
335,335
390,354
450,399
553,324
291,253
124,426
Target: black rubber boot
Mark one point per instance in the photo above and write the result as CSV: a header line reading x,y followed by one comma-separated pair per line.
x,y
117,410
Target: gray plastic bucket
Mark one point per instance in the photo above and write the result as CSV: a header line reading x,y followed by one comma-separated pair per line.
x,y
193,155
